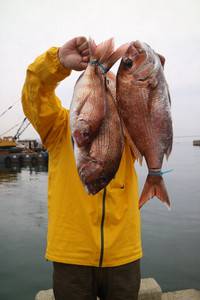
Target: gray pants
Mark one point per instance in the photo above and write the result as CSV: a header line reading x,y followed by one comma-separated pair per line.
x,y
74,282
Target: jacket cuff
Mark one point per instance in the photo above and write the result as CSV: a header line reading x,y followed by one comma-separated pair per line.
x,y
48,69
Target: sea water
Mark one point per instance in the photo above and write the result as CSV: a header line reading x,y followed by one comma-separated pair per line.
x,y
171,239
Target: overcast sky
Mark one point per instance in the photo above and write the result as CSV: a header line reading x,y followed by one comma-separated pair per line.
x,y
172,27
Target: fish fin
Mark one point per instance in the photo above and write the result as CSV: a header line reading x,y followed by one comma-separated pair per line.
x,y
169,142
154,186
104,52
111,84
117,54
92,48
134,150
162,59
169,96
149,100
101,52
168,151
153,82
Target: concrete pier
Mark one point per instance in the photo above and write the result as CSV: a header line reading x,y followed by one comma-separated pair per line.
x,y
182,295
149,290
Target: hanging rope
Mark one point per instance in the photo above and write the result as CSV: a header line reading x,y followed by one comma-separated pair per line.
x,y
17,136
10,129
20,130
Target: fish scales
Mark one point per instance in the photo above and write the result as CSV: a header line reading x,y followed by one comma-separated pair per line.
x,y
104,148
144,104
94,120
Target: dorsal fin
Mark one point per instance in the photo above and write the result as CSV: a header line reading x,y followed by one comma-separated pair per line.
x,y
162,59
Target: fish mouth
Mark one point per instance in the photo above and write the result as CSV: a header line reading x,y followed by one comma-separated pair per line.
x,y
139,61
90,170
134,57
83,133
97,185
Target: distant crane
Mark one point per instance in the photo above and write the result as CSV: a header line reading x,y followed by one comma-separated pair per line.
x,y
25,123
5,132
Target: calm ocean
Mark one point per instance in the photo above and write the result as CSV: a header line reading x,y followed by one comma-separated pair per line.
x,y
171,239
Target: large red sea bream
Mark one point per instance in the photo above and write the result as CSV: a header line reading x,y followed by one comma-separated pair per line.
x,y
94,120
144,104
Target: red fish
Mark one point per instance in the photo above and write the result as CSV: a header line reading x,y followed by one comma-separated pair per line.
x,y
98,161
88,104
144,104
94,119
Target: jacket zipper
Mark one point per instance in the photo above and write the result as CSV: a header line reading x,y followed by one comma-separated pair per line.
x,y
102,228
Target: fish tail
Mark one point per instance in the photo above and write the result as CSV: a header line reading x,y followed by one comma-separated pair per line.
x,y
104,53
101,52
154,186
92,48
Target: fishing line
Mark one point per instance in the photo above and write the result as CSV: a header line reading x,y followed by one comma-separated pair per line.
x,y
17,136
159,173
18,133
10,129
103,69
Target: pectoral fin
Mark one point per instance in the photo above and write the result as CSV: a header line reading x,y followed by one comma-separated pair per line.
x,y
134,150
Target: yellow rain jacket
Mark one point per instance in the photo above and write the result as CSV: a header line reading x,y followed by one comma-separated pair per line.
x,y
100,230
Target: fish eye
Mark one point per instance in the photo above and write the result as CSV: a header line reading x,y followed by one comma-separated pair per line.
x,y
128,62
85,134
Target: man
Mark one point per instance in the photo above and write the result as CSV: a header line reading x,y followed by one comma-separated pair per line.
x,y
93,241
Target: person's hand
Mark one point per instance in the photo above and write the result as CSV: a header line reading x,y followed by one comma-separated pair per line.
x,y
74,54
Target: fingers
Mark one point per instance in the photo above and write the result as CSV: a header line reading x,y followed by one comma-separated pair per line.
x,y
85,58
83,65
83,49
80,40
82,46
85,52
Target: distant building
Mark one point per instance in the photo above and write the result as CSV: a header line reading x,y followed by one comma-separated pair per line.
x,y
30,144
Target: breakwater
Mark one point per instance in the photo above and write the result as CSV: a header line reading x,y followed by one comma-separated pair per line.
x,y
8,159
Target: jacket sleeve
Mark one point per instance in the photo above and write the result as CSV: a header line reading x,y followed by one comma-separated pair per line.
x,y
40,104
